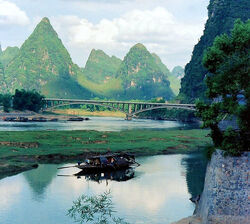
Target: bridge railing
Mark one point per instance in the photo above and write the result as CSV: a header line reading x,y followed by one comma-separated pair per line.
x,y
117,102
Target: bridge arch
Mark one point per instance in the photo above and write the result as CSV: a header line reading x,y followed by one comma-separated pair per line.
x,y
87,103
161,107
129,108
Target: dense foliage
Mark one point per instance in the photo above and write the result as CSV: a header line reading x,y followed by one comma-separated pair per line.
x,y
141,77
43,63
27,100
228,83
221,17
100,67
173,77
5,102
8,55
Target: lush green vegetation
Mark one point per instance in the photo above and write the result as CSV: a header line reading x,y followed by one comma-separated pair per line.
x,y
70,143
221,17
8,55
173,77
27,100
229,89
22,100
97,209
5,102
20,151
44,64
100,68
141,77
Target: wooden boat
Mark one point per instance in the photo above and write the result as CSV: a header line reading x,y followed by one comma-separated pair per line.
x,y
106,163
76,119
39,119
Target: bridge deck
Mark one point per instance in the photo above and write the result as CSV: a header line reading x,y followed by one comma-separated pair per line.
x,y
118,102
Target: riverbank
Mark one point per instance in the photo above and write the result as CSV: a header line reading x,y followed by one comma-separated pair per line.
x,y
20,151
82,112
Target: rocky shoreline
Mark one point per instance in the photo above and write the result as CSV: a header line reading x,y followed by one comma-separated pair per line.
x,y
225,198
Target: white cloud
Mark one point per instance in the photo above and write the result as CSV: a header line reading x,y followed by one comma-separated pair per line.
x,y
158,29
10,14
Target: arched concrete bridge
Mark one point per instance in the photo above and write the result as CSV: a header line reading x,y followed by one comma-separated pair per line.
x,y
127,107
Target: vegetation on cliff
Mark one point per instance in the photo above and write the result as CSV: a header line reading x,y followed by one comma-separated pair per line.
x,y
221,17
173,77
141,77
8,55
228,84
44,64
100,67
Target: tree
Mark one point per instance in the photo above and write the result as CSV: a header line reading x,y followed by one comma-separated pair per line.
x,y
27,100
95,209
228,82
5,101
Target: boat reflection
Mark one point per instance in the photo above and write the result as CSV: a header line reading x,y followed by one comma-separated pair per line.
x,y
118,175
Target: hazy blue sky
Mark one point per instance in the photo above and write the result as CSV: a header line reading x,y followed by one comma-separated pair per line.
x,y
170,28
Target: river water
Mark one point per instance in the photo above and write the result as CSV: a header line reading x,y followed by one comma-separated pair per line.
x,y
95,123
157,192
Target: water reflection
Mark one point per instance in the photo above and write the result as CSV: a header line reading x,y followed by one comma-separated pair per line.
x,y
157,191
40,179
96,123
119,175
195,166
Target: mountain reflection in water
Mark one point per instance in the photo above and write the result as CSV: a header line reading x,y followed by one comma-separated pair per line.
x,y
156,192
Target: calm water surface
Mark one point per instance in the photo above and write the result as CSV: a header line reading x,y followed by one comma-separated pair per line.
x,y
159,192
96,123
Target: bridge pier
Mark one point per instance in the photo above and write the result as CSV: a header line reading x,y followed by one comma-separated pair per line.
x,y
128,117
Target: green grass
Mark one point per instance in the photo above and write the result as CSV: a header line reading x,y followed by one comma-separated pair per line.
x,y
77,142
20,151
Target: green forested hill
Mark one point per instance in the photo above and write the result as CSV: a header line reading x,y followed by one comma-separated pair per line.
x,y
100,67
8,55
173,77
44,64
141,77
221,17
3,88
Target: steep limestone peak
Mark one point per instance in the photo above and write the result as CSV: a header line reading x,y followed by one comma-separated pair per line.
x,y
139,46
45,20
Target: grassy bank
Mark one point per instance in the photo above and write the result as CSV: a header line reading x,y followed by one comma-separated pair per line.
x,y
81,112
25,149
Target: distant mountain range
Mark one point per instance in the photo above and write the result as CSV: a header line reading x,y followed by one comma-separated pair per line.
x,y
43,63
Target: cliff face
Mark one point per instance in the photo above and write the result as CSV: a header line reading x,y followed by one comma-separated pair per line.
x,y
221,17
225,195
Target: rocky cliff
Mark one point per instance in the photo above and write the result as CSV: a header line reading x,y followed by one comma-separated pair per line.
x,y
225,198
226,190
221,17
